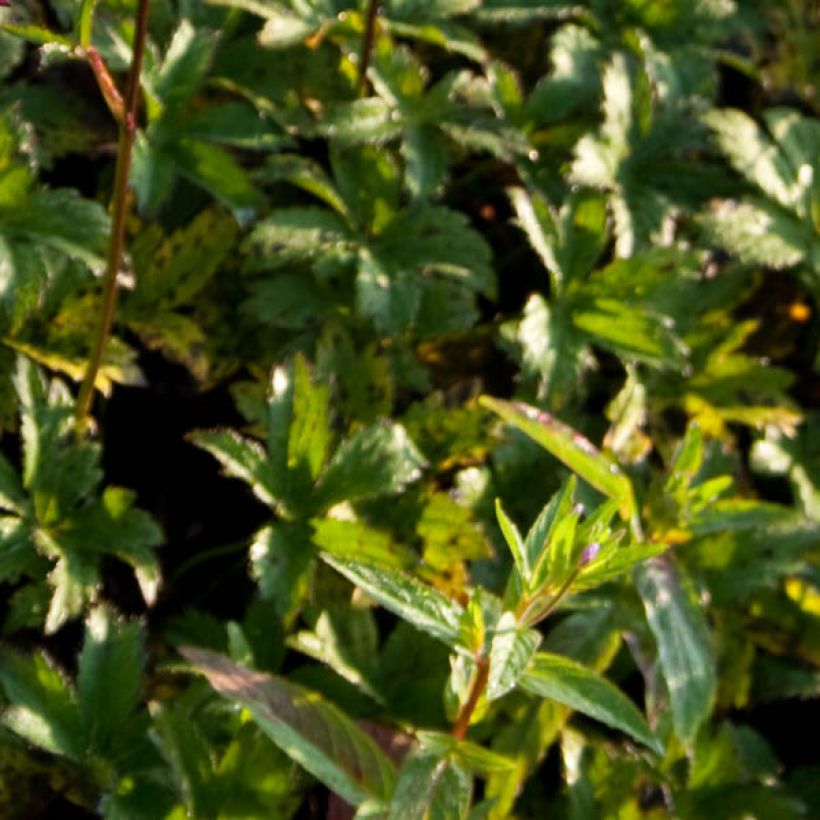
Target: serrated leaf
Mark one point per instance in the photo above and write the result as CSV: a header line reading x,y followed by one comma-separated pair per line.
x,y
311,730
241,458
510,652
309,432
449,534
43,708
367,120
419,604
215,170
682,637
183,69
109,669
281,562
355,540
569,447
437,239
568,682
753,154
430,788
294,235
376,460
758,231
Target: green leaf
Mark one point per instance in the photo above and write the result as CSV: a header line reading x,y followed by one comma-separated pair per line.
x,y
539,537
43,709
510,651
376,460
294,235
514,541
39,35
360,121
419,604
309,433
236,124
753,155
281,562
180,741
568,682
430,788
449,534
215,170
241,458
355,540
183,69
108,675
682,636
570,448
312,731
437,239
758,231
62,220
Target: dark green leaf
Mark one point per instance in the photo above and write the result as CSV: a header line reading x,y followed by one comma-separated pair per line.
x,y
420,605
570,683
682,636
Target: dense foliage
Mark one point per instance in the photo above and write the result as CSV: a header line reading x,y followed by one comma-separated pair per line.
x,y
456,449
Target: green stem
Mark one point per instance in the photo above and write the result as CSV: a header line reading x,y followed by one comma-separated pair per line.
x,y
119,216
533,612
367,43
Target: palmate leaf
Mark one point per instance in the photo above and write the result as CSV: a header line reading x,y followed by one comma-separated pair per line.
x,y
311,730
574,685
377,460
682,636
419,604
441,240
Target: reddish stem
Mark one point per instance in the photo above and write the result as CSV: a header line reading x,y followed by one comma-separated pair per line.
x,y
466,713
119,215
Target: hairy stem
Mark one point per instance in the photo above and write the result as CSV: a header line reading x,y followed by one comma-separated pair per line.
x,y
479,685
367,43
119,215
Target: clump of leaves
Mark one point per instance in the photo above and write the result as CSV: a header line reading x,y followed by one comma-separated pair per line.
x,y
58,523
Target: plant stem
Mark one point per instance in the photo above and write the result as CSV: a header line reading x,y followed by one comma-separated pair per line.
x,y
367,43
479,685
531,613
119,215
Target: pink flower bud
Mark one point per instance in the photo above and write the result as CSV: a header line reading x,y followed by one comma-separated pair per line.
x,y
589,554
